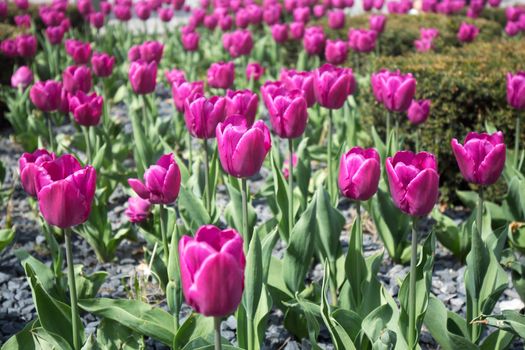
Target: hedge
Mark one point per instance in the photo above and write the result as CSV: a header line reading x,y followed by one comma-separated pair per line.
x,y
467,87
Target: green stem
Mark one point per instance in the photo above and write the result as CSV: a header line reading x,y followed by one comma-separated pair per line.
x,y
359,238
50,133
245,228
72,288
290,188
388,117
396,132
412,338
418,138
190,153
329,155
477,249
217,324
359,243
517,143
85,131
207,176
163,232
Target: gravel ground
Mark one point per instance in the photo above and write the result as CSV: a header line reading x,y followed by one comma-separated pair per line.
x,y
16,305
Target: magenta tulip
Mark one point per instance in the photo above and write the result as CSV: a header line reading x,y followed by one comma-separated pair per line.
x,y
142,10
481,158
424,45
512,28
165,15
418,111
243,102
184,90
336,19
319,11
332,85
221,75
362,40
359,173
301,14
66,191
175,76
280,32
414,182
238,43
79,51
143,77
77,78
26,45
395,90
151,51
212,270
102,64
46,95
86,109
138,209
122,12
96,19
297,30
336,51
30,166
55,35
314,40
467,32
23,21
377,23
202,115
190,41
22,77
161,181
516,90
3,9
242,148
254,71
303,81
8,48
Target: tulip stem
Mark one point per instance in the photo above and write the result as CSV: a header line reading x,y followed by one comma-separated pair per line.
x,y
163,232
207,176
412,289
388,117
517,143
418,138
245,228
217,323
290,188
476,249
85,131
50,133
72,288
329,155
190,153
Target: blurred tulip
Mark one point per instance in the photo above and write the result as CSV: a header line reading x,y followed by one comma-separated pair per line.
x,y
22,77
143,77
161,181
424,45
3,9
336,51
332,85
377,23
86,109
212,270
165,15
102,64
221,75
96,19
190,41
138,209
184,90
397,90
8,48
336,19
512,29
211,22
30,166
243,102
414,182
238,43
202,115
122,13
26,45
242,148
77,78
280,33
242,19
359,173
45,95
272,14
418,111
23,21
429,33
22,4
467,32
84,7
297,30
142,10
79,51
516,90
303,81
55,35
134,53
362,40
481,158
175,76
254,71
314,40
151,51
301,14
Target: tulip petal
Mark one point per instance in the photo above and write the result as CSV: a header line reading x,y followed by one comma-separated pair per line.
x,y
139,188
492,166
366,179
62,204
465,162
422,193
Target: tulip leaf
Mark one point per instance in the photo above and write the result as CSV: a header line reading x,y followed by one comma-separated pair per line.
x,y
113,335
300,249
136,315
253,277
281,196
261,316
516,199
509,320
88,285
196,326
99,157
454,237
6,236
303,171
192,210
233,211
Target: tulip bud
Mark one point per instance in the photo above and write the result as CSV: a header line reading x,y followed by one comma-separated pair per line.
x,y
86,109
102,64
414,182
254,71
190,41
46,95
336,51
122,12
161,181
303,81
377,23
202,115
151,51
301,14
242,148
362,40
212,270
165,15
359,173
142,10
280,33
319,11
516,90
66,191
175,76
143,77
78,51
26,45
332,85
23,77
481,158
336,19
238,43
96,19
297,30
23,21
77,78
418,111
314,40
8,48
29,166
243,102
221,75
138,209
55,34
394,90
185,90
467,32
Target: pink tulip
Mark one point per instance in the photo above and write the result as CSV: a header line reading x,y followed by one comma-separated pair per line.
x,y
362,40
22,4
23,21
29,166
185,90
377,23
254,71
143,77
8,48
513,13
303,81
122,12
202,115
332,85
280,32
79,51
86,109
481,158
3,9
243,102
77,78
66,191
336,51
226,22
142,10
512,29
242,148
138,209
418,111
359,173
161,181
26,45
424,45
272,14
256,14
414,182
212,270
467,32
238,43
221,75
242,19
394,90
105,7
22,77
63,107
287,109
55,35
297,30
336,19
301,14
429,33
151,51
134,53
165,15
84,7
46,95
190,41
102,64
314,40
96,19
516,90
175,76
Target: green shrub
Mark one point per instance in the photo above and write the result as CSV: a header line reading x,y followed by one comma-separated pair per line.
x,y
467,87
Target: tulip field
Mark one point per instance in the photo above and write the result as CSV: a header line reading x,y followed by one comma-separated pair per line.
x,y
262,174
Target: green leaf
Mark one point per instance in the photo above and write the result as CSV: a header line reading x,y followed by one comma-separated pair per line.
x,y
510,321
6,236
192,209
43,273
88,285
196,326
281,197
136,315
253,277
113,335
516,199
233,211
355,266
99,157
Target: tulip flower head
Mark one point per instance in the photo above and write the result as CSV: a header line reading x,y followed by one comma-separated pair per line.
x,y
202,115
55,34
516,90
254,71
79,51
138,209
243,102
359,173
26,45
143,77
22,77
481,158
303,81
377,23
151,51
221,75
86,109
77,78
394,90
242,148
336,51
361,40
46,95
161,181
467,32
185,90
333,85
418,111
102,64
314,40
414,182
212,270
175,76
29,166
336,19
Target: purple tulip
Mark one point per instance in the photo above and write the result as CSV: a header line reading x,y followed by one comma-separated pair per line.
x,y
138,209
46,95
86,109
165,15
22,4
8,48
122,12
362,40
359,173
79,51
23,21
105,7
30,166
429,33
280,32
3,9
226,22
481,158
26,45
96,19
55,35
332,85
319,11
242,148
336,19
84,7
301,14
297,30
377,23
77,78
221,75
66,191
22,77
516,90
512,29
175,76
151,51
287,108
254,71
238,43
243,102
242,19
424,45
143,77
142,10
184,90
212,270
134,53
202,115
414,182
102,64
314,40
161,181
336,51
467,32
395,90
63,107
272,14
303,81
418,111
190,41
513,13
